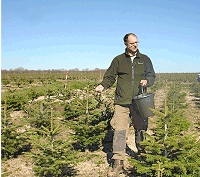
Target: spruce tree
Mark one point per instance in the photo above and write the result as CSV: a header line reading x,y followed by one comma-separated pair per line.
x,y
87,120
53,154
13,139
171,150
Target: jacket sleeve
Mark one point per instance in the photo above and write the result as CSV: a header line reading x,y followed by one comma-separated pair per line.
x,y
150,73
110,75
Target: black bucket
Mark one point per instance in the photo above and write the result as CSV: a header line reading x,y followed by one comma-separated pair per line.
x,y
145,101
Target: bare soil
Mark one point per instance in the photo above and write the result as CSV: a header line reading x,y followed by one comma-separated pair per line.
x,y
193,111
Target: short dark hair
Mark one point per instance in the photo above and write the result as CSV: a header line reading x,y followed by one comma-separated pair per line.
x,y
127,35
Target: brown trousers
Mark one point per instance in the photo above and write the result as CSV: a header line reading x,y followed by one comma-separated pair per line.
x,y
120,124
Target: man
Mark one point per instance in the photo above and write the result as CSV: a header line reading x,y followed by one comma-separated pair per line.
x,y
133,70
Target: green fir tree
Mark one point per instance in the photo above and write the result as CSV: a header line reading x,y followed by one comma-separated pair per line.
x,y
87,120
54,154
171,150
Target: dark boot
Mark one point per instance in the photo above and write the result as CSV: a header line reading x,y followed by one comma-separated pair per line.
x,y
117,169
138,138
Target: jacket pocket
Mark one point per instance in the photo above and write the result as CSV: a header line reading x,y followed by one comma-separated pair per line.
x,y
139,68
118,92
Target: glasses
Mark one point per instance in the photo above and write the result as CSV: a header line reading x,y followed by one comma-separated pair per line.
x,y
133,43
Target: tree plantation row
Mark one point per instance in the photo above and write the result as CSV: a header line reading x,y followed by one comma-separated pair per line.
x,y
173,149
56,125
24,79
62,122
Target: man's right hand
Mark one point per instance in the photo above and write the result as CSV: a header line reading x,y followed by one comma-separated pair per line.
x,y
99,88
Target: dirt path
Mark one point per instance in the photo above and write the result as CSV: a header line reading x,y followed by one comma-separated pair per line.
x,y
193,110
96,167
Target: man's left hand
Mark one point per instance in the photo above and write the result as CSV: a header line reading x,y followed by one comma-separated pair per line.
x,y
143,83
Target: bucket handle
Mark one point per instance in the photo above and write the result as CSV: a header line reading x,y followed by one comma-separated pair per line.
x,y
142,90
142,87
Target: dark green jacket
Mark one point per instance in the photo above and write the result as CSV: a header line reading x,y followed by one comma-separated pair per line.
x,y
121,66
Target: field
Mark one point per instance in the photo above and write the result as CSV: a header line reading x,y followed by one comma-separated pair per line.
x,y
50,127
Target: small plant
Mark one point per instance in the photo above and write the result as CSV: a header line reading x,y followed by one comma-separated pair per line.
x,y
30,80
13,99
195,87
32,94
39,115
54,155
12,139
5,81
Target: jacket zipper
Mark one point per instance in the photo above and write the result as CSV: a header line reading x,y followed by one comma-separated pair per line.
x,y
133,79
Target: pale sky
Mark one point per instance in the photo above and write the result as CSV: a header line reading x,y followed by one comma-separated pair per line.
x,y
63,34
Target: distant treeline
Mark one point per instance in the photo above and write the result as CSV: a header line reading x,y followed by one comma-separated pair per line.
x,y
76,74
178,77
76,70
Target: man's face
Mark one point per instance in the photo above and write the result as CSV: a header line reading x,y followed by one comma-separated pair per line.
x,y
132,44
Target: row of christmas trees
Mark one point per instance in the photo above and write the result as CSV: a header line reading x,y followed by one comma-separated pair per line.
x,y
55,140
172,150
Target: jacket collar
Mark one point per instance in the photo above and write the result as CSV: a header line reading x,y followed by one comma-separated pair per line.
x,y
137,55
